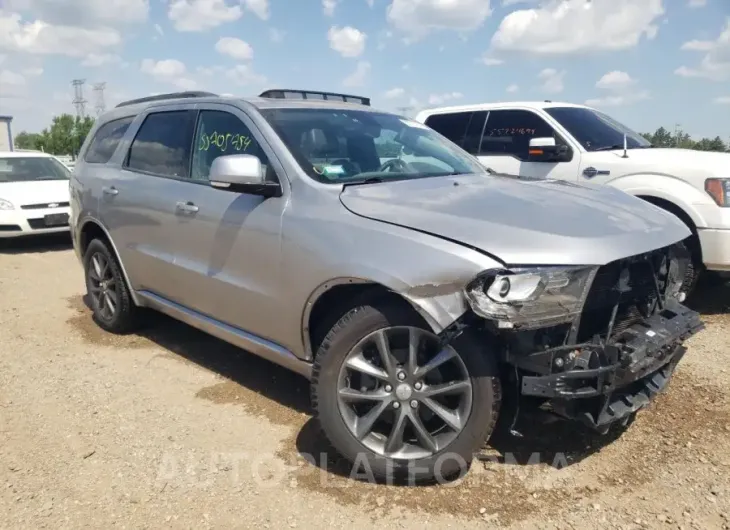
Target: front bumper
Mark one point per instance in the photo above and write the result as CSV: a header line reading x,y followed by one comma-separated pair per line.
x,y
21,223
715,246
608,382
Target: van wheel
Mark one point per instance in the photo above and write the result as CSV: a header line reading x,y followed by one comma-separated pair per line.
x,y
111,303
396,402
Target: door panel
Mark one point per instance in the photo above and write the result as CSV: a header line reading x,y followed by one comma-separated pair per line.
x,y
138,202
227,251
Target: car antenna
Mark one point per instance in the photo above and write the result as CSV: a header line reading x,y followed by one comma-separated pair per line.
x,y
625,147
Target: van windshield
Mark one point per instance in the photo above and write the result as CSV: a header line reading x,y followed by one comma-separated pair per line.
x,y
596,131
347,146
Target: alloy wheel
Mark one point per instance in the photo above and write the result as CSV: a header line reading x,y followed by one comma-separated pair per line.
x,y
102,286
403,394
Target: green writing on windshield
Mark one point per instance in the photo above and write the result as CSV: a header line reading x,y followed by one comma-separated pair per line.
x,y
223,141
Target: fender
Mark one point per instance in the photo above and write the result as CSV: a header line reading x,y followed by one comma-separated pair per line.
x,y
89,219
667,187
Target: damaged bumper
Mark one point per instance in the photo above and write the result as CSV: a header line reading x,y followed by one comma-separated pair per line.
x,y
600,384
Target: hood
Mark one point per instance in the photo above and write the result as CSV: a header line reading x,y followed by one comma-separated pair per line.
x,y
35,192
713,162
540,222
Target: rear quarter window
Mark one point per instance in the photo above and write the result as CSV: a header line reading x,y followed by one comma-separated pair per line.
x,y
106,140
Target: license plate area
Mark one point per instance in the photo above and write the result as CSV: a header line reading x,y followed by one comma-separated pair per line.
x,y
55,219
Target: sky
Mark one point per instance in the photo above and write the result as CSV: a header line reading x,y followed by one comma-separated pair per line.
x,y
648,63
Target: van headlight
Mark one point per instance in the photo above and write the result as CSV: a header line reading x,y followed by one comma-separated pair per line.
x,y
530,297
6,205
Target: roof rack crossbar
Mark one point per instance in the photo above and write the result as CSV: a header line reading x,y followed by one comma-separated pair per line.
x,y
290,93
171,95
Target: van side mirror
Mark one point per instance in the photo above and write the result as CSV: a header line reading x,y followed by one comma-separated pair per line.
x,y
546,150
242,174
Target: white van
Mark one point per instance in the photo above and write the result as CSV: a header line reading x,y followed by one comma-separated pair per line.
x,y
577,143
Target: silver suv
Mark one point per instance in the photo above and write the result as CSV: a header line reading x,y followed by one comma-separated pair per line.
x,y
423,296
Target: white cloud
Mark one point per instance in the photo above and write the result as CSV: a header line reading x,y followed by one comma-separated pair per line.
x,y
168,71
573,26
82,13
201,15
260,8
41,38
697,3
329,7
507,3
100,59
276,35
552,80
615,80
33,71
235,48
722,100
513,88
440,99
417,18
394,93
490,61
371,3
158,29
617,100
715,65
12,85
347,41
698,45
243,74
359,76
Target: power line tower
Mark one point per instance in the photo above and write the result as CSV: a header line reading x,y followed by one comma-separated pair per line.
x,y
79,101
99,93
405,110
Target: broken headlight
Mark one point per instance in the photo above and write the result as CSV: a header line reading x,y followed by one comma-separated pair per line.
x,y
530,297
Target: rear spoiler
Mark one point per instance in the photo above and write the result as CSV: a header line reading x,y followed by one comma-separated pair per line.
x,y
288,93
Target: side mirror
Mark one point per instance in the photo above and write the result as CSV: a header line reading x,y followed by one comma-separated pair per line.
x,y
242,174
547,150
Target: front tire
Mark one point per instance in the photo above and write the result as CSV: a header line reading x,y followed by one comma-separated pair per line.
x,y
396,403
111,302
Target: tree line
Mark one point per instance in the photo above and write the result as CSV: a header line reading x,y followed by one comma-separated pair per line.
x,y
67,133
63,137
663,138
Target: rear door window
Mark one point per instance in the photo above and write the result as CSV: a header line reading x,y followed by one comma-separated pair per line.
x,y
106,140
452,125
163,144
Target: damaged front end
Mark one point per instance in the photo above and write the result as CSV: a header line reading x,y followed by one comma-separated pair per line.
x,y
595,343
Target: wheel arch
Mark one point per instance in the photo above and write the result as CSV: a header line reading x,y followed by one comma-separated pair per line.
x,y
92,229
330,300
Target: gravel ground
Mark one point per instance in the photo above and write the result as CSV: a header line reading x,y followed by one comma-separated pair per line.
x,y
172,428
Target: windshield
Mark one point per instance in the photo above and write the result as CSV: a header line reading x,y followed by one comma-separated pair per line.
x,y
344,146
595,130
26,169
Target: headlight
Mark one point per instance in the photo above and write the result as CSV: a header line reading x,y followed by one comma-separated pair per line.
x,y
719,190
6,205
530,297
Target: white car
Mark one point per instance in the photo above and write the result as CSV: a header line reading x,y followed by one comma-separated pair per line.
x,y
34,194
580,144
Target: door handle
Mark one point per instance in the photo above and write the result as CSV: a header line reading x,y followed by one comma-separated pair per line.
x,y
109,191
186,207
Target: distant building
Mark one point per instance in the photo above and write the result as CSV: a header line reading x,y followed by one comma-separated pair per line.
x,y
6,133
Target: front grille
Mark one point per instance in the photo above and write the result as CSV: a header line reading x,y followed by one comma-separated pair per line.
x,y
9,228
631,284
45,205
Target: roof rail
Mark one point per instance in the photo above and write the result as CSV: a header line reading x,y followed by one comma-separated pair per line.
x,y
171,95
288,93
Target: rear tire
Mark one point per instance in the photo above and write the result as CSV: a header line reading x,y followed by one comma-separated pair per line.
x,y
418,453
111,302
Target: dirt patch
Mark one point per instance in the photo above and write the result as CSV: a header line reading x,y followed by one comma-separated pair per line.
x,y
83,324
